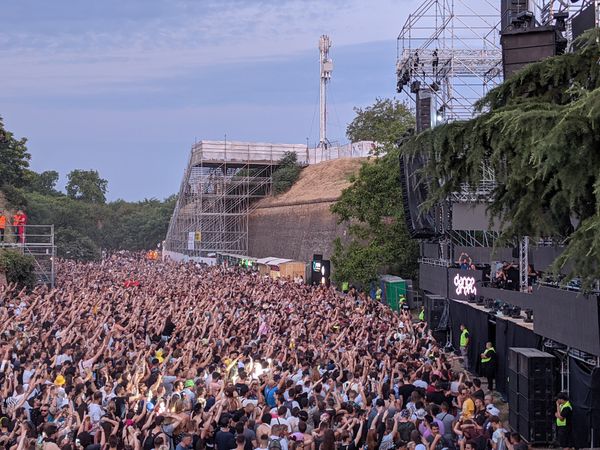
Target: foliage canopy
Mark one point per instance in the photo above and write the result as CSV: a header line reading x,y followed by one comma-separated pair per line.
x,y
372,205
18,268
383,122
541,136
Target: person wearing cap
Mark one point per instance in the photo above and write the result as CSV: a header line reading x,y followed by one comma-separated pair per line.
x,y
188,391
564,424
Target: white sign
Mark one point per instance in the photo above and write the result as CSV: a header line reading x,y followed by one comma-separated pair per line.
x,y
191,240
465,285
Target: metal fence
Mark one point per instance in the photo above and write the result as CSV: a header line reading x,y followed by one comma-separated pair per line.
x,y
36,241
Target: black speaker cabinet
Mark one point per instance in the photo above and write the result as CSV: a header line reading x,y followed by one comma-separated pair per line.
x,y
531,394
525,46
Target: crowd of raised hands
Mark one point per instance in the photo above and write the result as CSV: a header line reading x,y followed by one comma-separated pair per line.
x,y
128,353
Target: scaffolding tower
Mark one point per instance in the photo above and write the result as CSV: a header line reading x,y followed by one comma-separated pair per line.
x,y
221,183
37,242
450,49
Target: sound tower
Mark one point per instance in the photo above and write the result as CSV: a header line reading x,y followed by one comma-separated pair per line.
x,y
531,394
424,105
420,224
434,311
524,46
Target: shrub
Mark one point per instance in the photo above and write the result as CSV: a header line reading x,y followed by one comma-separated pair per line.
x,y
18,268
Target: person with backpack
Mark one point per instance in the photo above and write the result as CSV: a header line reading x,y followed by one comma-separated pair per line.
x,y
277,440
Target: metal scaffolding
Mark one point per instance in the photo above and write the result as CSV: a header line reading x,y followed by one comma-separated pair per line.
x,y
220,184
451,48
38,242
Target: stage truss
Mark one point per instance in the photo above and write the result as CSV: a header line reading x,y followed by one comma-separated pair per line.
x,y
452,49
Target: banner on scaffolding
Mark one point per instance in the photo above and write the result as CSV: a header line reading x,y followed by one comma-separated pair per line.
x,y
193,237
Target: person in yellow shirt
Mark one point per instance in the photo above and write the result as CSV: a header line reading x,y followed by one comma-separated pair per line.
x,y
466,403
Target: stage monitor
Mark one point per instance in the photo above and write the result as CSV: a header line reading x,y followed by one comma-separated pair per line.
x,y
526,46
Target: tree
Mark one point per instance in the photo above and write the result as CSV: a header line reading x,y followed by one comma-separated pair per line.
x,y
14,158
372,205
384,122
379,239
72,244
540,136
287,173
44,183
86,185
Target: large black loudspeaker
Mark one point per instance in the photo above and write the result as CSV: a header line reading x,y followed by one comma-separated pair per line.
x,y
584,21
434,310
528,45
420,224
423,110
531,394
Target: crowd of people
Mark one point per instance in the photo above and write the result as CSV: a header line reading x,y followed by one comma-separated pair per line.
x,y
134,354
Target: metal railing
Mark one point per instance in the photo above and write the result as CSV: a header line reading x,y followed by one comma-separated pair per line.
x,y
36,241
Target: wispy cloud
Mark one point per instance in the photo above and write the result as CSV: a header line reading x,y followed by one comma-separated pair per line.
x,y
77,53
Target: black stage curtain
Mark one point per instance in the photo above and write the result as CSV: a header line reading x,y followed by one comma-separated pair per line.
x,y
476,322
584,393
510,334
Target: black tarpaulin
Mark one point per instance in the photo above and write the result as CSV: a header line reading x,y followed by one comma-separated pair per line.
x,y
584,394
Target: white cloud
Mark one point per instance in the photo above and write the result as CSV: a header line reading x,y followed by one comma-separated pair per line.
x,y
156,48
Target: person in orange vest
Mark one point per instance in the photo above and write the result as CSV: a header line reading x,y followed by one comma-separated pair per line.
x,y
2,225
19,222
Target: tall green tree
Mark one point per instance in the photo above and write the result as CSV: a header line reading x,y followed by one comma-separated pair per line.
x,y
14,158
86,185
44,182
372,205
385,121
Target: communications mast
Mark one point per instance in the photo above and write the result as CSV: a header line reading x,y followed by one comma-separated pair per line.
x,y
326,66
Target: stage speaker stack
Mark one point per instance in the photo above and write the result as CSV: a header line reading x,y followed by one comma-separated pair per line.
x,y
531,394
434,311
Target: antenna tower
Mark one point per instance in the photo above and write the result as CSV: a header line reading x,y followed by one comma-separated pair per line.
x,y
326,67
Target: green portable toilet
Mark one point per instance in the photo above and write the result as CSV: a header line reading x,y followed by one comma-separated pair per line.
x,y
393,288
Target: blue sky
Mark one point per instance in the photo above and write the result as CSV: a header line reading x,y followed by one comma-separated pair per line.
x,y
126,86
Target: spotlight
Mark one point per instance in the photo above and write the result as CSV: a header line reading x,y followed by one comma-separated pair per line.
x,y
481,300
515,312
525,17
529,313
415,87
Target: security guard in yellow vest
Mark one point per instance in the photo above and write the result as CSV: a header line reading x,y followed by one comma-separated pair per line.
x,y
488,364
422,314
378,294
465,340
564,425
345,287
